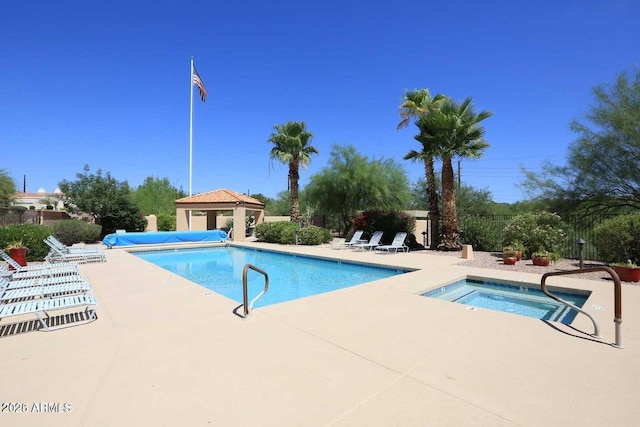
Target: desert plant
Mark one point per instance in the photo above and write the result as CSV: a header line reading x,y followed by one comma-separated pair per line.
x,y
618,239
312,235
70,231
534,231
271,232
166,222
479,232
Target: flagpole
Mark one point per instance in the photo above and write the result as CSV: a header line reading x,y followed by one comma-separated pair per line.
x,y
191,140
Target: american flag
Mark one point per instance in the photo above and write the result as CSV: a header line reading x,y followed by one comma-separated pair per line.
x,y
198,82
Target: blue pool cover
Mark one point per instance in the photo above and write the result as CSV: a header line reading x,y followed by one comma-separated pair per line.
x,y
161,237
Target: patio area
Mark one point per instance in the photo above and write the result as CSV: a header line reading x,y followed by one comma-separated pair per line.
x,y
165,351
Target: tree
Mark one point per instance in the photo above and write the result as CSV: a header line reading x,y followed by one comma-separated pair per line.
x,y
7,188
105,198
292,146
353,183
416,103
451,130
157,196
603,166
469,200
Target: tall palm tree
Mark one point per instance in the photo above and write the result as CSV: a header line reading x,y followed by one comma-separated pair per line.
x,y
452,130
292,146
416,103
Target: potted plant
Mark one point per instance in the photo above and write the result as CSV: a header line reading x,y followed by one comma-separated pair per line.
x,y
543,258
509,256
627,271
18,251
518,246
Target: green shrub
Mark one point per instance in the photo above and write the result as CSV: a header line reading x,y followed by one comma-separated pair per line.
x,y
70,231
388,222
32,235
288,236
271,232
166,222
482,233
92,232
312,235
618,239
542,231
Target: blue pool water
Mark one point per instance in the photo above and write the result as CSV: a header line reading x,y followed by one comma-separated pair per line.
x,y
516,299
290,276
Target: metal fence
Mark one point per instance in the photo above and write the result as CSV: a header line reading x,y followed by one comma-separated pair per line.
x,y
577,227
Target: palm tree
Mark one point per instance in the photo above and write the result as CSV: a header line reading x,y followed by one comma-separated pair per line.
x,y
416,103
292,145
452,130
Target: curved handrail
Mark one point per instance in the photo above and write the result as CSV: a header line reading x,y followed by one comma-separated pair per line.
x,y
617,295
248,306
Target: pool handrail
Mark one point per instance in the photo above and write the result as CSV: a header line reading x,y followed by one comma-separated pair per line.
x,y
617,294
248,306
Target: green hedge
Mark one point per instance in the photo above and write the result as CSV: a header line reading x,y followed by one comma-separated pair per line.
x,y
31,235
284,232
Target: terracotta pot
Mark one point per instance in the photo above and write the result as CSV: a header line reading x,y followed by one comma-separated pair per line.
x,y
540,260
19,255
627,274
510,260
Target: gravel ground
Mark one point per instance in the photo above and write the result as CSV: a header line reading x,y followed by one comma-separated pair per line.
x,y
494,260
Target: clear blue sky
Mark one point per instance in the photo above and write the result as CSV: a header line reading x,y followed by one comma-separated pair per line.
x,y
106,83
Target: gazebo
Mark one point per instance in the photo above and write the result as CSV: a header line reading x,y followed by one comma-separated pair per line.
x,y
213,203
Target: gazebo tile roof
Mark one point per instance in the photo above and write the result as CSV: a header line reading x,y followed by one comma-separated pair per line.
x,y
220,196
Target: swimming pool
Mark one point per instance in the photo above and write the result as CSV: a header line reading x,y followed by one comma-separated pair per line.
x,y
290,276
512,298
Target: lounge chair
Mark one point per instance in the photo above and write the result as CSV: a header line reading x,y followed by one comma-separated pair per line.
x,y
41,281
40,307
347,244
35,270
45,291
74,249
373,242
57,255
396,245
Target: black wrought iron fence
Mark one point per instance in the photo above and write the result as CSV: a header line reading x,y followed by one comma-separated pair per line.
x,y
486,232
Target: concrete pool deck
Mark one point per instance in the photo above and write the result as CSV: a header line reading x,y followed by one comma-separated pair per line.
x,y
165,351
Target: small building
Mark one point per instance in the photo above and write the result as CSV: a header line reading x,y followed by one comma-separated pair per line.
x,y
40,200
203,211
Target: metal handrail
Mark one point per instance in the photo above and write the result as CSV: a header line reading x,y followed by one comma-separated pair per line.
x,y
248,306
617,296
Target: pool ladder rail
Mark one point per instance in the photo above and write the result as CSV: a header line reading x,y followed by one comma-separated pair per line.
x,y
248,306
617,294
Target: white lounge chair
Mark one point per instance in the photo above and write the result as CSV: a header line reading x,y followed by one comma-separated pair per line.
x,y
373,242
35,270
396,245
74,249
347,244
41,308
45,291
41,281
57,255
